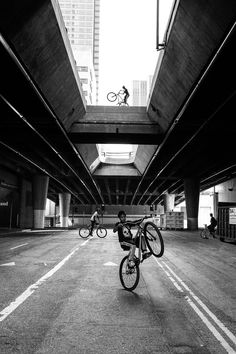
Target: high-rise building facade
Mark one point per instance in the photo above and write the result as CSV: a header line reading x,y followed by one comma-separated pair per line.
x,y
139,92
82,21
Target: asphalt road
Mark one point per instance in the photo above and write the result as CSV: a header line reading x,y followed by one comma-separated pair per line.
x,y
62,294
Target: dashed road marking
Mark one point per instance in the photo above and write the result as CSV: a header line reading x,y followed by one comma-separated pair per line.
x,y
31,289
23,244
110,264
8,264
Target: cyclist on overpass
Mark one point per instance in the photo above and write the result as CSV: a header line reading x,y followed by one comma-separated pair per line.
x,y
126,94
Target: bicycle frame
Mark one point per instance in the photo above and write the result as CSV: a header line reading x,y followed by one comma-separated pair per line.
x,y
119,98
208,233
139,234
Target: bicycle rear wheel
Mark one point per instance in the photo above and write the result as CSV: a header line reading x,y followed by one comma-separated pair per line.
x,y
111,96
84,232
204,234
129,276
101,232
153,239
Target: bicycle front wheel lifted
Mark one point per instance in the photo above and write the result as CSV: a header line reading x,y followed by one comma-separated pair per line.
x,y
129,275
101,232
111,96
153,239
84,232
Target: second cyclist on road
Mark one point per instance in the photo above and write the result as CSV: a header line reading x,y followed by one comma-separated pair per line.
x,y
94,220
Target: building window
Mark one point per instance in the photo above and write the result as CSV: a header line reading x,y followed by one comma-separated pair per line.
x,y
84,81
83,68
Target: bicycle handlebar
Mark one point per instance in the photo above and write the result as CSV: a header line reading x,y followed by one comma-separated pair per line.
x,y
139,221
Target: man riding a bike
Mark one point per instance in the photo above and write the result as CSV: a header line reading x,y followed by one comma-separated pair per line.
x,y
126,94
94,220
212,225
125,236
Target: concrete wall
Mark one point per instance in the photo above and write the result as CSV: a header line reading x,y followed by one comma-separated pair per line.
x,y
9,199
83,213
227,191
26,206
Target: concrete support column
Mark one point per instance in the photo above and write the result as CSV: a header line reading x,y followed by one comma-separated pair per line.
x,y
64,208
40,191
22,211
169,202
215,203
192,192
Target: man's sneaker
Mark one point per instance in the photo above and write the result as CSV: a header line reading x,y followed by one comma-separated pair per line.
x,y
146,254
131,264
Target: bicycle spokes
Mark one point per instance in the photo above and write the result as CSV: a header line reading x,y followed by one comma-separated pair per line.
x,y
129,274
153,239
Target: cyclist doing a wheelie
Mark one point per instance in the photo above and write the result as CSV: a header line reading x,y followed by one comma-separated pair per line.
x,y
126,94
125,236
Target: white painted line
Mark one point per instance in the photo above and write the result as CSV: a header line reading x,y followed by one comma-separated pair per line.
x,y
23,244
8,264
206,309
170,277
110,264
218,336
31,289
84,243
200,303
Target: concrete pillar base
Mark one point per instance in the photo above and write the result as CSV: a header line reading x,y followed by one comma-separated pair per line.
x,y
169,202
40,191
64,207
192,224
192,191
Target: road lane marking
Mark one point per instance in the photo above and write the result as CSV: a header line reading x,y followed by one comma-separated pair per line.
x,y
23,244
218,336
110,264
7,264
173,281
84,243
31,289
200,303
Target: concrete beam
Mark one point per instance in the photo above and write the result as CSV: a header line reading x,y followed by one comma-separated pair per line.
x,y
116,170
197,31
37,32
143,156
108,124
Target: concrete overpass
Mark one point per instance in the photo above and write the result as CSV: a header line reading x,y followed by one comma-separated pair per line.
x,y
185,135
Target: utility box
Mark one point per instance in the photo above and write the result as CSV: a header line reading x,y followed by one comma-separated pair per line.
x,y
226,227
172,220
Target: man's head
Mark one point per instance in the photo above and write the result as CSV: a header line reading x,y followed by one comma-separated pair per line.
x,y
211,215
122,215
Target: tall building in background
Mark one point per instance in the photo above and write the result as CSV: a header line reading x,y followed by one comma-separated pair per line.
x,y
139,92
82,21
85,69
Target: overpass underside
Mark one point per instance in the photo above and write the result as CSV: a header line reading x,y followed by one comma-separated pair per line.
x,y
179,134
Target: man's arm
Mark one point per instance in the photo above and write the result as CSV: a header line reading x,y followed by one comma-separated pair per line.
x,y
116,227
